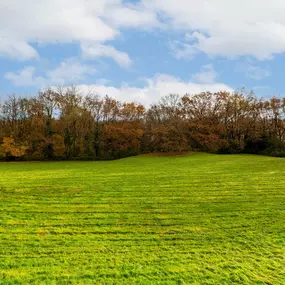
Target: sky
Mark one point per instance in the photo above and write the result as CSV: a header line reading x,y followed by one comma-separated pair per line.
x,y
141,50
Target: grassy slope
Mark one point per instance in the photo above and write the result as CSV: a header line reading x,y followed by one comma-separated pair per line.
x,y
198,219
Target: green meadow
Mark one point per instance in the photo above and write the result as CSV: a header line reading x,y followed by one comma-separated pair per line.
x,y
192,219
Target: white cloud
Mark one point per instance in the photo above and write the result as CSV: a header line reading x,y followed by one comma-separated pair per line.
x,y
52,21
132,16
217,27
70,71
64,21
19,50
253,71
155,88
227,28
92,51
182,50
206,75
25,77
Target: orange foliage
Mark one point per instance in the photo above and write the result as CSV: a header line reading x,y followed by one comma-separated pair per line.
x,y
122,136
10,148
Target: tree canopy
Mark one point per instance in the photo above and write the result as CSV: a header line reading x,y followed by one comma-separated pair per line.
x,y
67,124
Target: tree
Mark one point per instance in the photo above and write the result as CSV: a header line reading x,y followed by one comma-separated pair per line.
x,y
65,122
12,150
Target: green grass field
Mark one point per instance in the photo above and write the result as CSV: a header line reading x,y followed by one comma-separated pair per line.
x,y
195,219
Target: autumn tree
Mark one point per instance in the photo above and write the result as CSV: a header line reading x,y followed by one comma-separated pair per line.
x,y
12,150
67,123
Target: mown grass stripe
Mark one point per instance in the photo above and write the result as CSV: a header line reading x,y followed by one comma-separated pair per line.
x,y
198,219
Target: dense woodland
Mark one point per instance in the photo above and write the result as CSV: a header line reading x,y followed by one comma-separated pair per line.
x,y
66,124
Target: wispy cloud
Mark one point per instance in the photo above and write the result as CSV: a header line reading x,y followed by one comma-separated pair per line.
x,y
253,71
69,71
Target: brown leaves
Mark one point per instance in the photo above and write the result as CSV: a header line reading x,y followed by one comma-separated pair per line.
x,y
10,148
67,122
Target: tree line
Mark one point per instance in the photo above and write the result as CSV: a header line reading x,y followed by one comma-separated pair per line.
x,y
67,124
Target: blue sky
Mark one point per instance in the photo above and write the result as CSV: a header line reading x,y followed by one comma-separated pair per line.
x,y
144,49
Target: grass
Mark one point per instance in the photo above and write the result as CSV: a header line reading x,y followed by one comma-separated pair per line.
x,y
194,219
